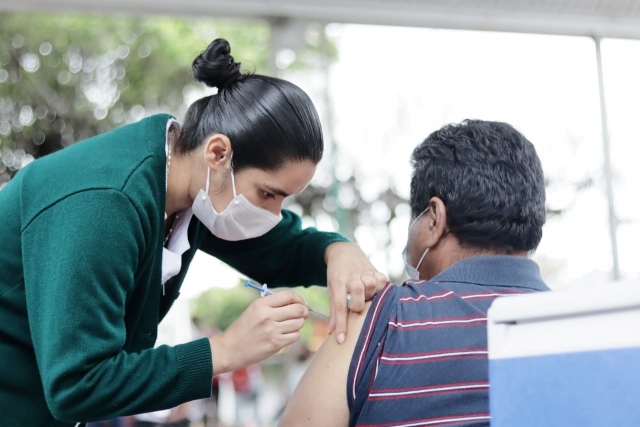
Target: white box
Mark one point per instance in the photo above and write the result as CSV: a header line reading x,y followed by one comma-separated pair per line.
x,y
566,358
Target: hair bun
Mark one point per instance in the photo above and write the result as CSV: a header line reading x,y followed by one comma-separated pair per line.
x,y
215,66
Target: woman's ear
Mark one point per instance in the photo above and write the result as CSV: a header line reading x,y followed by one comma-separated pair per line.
x,y
437,217
217,151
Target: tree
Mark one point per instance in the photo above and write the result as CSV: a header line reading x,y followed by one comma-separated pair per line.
x,y
66,79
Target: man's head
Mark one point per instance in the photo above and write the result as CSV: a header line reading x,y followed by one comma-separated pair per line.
x,y
483,185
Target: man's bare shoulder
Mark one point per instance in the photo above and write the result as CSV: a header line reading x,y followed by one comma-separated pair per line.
x,y
320,399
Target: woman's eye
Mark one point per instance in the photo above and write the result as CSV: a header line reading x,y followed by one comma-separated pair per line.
x,y
268,195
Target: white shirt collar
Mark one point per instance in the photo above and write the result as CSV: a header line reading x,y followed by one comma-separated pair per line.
x,y
178,242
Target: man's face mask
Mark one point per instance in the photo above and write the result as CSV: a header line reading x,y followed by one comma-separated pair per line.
x,y
413,272
241,220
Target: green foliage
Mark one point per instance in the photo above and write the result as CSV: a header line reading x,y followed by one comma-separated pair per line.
x,y
219,308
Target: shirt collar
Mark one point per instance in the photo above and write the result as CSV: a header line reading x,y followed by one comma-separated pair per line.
x,y
495,270
166,152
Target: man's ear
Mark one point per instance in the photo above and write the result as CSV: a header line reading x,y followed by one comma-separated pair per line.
x,y
437,217
217,151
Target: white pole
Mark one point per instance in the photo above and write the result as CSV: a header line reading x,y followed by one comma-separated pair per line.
x,y
613,219
276,24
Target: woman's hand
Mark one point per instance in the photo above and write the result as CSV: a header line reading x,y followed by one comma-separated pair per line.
x,y
349,271
266,326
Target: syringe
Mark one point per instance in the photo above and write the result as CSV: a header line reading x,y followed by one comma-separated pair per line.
x,y
264,291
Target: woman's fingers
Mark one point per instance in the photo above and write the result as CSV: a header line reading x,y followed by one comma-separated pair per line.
x,y
372,282
332,314
349,270
288,339
283,298
265,327
288,312
374,285
356,287
339,307
289,326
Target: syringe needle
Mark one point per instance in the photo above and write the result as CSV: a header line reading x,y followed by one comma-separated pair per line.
x,y
318,314
263,289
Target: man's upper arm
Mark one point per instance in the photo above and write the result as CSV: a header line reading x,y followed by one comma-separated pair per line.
x,y
320,398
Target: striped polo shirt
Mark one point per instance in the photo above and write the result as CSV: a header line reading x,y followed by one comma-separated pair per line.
x,y
421,358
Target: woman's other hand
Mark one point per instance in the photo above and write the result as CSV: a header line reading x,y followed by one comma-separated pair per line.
x,y
265,327
349,271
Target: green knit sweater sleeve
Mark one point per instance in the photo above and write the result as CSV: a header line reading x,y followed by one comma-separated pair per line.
x,y
80,256
288,255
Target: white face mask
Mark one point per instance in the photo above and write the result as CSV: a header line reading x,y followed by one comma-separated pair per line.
x,y
413,272
241,220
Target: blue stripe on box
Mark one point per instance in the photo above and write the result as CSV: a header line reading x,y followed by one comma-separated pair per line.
x,y
586,389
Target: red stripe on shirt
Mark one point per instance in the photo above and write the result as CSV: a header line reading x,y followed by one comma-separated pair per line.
x,y
434,422
432,356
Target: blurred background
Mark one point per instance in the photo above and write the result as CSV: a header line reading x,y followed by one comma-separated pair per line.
x,y
383,75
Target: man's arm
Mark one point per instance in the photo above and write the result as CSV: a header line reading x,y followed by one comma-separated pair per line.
x,y
320,398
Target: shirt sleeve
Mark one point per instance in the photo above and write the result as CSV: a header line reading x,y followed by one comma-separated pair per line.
x,y
80,258
364,363
288,255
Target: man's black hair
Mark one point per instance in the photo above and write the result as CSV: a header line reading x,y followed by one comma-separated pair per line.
x,y
490,179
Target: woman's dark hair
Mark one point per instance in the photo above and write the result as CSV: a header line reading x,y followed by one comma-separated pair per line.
x,y
268,120
490,179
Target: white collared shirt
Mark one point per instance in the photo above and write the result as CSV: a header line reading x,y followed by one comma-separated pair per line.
x,y
178,242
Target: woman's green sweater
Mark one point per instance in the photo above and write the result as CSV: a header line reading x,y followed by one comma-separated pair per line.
x,y
81,236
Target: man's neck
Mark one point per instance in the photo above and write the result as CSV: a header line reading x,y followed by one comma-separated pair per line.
x,y
452,252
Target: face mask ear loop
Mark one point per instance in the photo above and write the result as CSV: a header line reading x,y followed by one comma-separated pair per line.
x,y
417,218
233,178
206,186
422,258
233,184
410,227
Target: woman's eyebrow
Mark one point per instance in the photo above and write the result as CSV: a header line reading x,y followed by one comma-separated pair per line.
x,y
277,191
